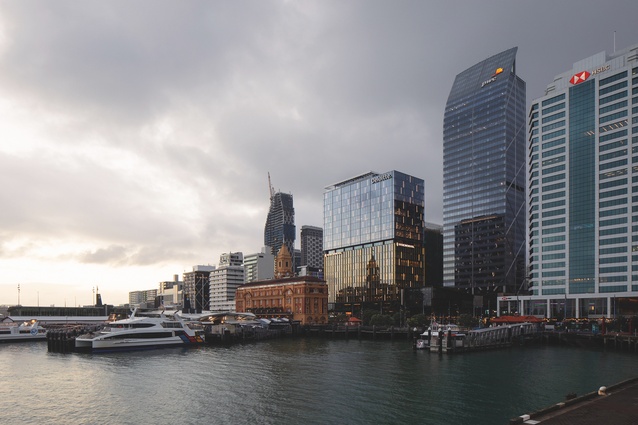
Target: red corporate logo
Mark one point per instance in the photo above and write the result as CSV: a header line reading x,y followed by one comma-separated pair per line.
x,y
580,77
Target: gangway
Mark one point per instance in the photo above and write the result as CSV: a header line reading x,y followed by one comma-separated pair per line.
x,y
485,338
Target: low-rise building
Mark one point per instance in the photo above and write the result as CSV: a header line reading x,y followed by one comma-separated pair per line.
x,y
302,298
299,298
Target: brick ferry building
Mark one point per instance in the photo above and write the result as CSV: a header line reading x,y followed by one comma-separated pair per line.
x,y
299,298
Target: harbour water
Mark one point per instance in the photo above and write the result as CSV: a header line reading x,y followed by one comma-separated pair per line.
x,y
297,381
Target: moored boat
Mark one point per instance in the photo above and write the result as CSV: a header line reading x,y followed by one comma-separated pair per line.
x,y
26,331
436,330
141,332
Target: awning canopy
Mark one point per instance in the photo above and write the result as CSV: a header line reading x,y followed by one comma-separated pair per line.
x,y
516,319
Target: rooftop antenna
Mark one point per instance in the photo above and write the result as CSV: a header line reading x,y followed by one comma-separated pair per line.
x,y
614,41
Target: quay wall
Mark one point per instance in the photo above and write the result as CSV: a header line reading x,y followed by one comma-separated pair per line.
x,y
571,402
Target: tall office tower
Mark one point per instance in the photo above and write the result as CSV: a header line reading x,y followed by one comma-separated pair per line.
x,y
312,246
259,266
433,242
225,280
484,178
197,289
583,181
373,242
280,224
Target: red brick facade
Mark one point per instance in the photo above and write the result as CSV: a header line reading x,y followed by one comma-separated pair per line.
x,y
304,299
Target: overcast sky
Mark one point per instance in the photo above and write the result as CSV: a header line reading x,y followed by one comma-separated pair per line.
x,y
136,137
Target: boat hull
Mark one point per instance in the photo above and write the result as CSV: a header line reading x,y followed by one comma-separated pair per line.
x,y
135,344
22,338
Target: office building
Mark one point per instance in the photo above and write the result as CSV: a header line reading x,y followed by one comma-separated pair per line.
x,y
225,280
373,242
280,224
171,293
583,186
259,266
433,242
197,289
312,246
142,298
484,179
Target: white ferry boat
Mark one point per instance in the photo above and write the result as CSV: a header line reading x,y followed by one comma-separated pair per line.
x,y
141,332
26,331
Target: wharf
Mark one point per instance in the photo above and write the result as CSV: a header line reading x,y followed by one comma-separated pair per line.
x,y
618,406
360,332
481,339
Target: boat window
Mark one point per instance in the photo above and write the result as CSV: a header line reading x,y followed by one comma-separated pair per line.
x,y
141,335
142,325
172,324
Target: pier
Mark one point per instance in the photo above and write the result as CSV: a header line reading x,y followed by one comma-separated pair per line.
x,y
482,339
614,404
61,339
361,332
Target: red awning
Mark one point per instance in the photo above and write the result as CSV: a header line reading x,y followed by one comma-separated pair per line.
x,y
516,319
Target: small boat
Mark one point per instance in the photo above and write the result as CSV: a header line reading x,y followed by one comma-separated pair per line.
x,y
434,330
26,331
142,332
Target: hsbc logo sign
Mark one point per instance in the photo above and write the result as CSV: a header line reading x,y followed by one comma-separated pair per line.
x,y
583,76
579,78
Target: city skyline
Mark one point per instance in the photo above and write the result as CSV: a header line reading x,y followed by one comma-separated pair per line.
x,y
137,138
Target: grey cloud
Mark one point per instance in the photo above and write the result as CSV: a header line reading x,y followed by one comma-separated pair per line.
x,y
312,92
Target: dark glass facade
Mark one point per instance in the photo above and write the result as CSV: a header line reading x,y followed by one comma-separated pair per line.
x,y
280,224
484,178
582,187
373,241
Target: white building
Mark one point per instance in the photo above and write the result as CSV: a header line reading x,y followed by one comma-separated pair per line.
x,y
583,192
225,280
171,293
259,266
142,298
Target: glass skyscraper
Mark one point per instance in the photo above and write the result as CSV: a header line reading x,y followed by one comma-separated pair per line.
x,y
583,190
280,224
373,242
484,178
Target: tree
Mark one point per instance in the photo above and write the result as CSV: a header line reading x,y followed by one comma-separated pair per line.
x,y
467,321
367,315
417,320
381,320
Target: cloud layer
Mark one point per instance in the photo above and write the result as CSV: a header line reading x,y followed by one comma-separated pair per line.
x,y
139,135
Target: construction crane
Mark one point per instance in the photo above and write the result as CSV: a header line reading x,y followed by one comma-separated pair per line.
x,y
272,190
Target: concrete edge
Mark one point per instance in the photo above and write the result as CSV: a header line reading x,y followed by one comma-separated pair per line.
x,y
558,406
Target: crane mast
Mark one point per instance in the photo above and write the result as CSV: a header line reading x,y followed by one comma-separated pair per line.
x,y
272,191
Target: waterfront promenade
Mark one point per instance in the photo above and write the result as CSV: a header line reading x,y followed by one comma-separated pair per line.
x,y
617,405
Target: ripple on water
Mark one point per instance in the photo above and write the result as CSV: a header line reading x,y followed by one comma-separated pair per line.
x,y
310,381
